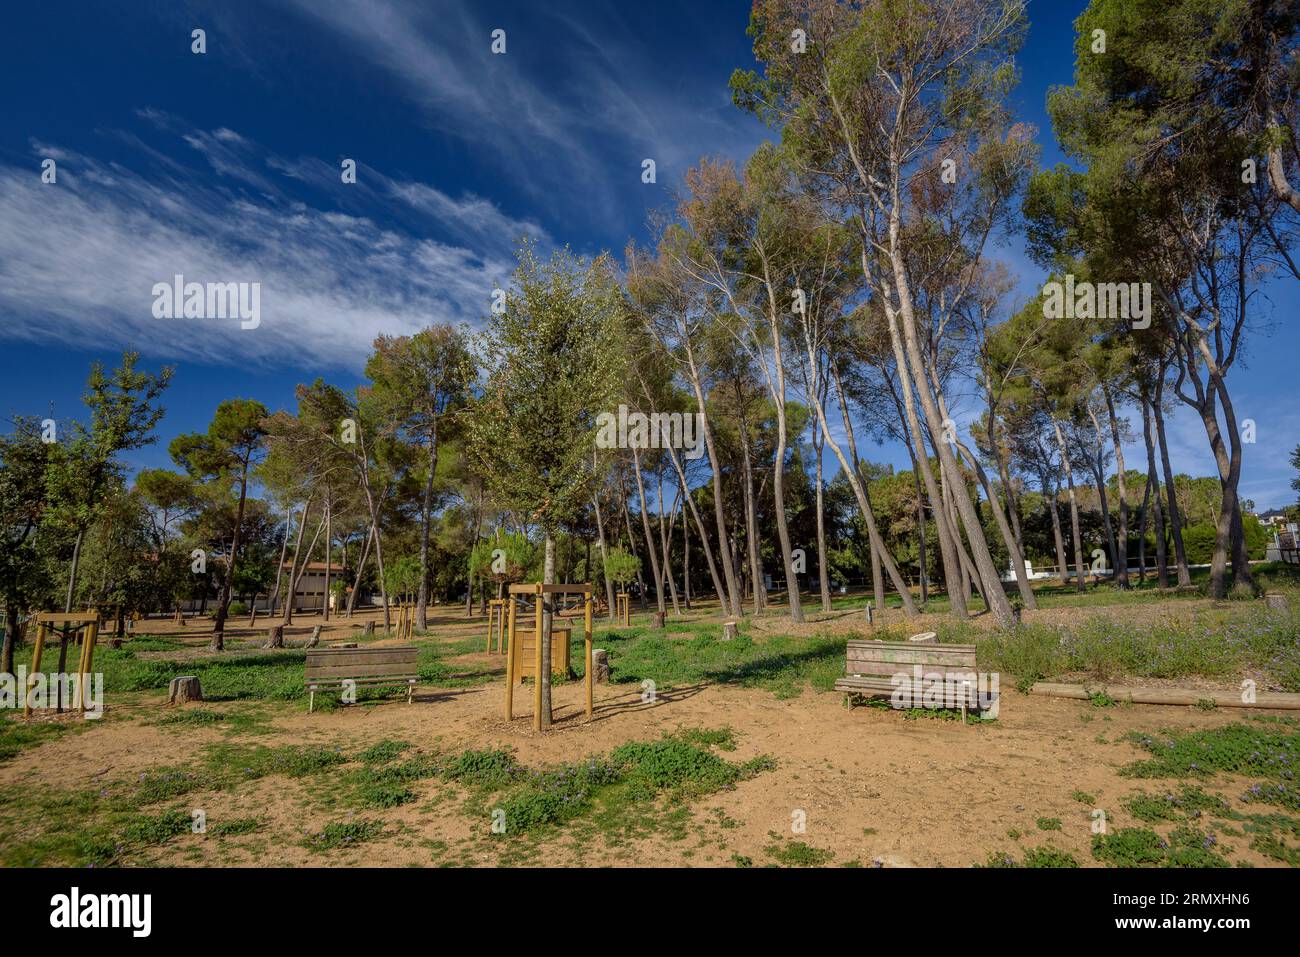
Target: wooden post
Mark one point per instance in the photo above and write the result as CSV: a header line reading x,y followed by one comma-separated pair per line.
x,y
537,656
87,662
491,609
41,631
511,654
586,633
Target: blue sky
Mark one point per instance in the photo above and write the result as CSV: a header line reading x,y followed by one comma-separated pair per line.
x,y
226,165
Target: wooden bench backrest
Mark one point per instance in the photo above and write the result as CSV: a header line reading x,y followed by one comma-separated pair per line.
x,y
884,659
333,664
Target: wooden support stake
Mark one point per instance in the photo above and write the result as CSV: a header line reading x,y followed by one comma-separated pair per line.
x,y
537,672
511,654
41,631
586,633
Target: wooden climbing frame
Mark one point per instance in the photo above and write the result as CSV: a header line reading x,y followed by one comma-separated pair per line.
x,y
513,670
87,625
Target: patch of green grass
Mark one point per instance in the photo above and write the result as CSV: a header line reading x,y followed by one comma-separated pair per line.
x,y
344,834
235,827
799,854
16,735
1143,847
1049,823
157,829
1083,797
1250,749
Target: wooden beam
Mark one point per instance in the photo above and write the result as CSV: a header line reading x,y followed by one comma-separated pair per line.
x,y
1223,699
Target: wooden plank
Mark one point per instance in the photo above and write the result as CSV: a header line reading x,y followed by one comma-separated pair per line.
x,y
915,655
346,656
885,669
70,618
567,589
904,645
362,671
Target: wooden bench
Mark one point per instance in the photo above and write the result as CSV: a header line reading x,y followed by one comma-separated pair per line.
x,y
871,666
375,667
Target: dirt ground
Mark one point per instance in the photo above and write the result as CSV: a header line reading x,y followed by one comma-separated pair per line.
x,y
873,786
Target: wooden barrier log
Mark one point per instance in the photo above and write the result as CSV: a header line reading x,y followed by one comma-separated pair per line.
x,y
1222,699
183,689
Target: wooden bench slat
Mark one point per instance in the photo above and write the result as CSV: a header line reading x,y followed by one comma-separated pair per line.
x,y
888,670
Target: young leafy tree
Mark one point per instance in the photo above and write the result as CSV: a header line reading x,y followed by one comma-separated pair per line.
x,y
225,456
554,363
419,381
24,459
123,414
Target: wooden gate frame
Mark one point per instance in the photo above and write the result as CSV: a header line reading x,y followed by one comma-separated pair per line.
x,y
539,591
87,622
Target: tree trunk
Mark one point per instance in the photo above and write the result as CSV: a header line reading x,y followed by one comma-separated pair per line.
x,y
666,545
1175,520
751,521
604,555
426,518
1162,558
1121,555
649,536
361,570
544,679
1074,505
823,566
732,603
219,624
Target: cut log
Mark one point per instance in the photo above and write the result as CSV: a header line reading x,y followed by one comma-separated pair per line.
x,y
1222,699
925,638
314,640
1276,601
275,637
183,689
658,619
729,630
600,666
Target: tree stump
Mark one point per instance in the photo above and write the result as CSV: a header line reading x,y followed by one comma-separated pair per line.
x,y
275,637
314,640
729,630
659,619
871,614
600,666
925,638
1276,601
370,629
183,689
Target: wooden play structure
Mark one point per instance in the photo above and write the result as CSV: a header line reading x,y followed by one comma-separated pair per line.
x,y
528,647
497,618
623,610
85,627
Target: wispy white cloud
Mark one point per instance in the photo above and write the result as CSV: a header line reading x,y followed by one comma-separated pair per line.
x,y
79,258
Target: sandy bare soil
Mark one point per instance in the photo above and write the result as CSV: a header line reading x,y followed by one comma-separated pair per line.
x,y
874,786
